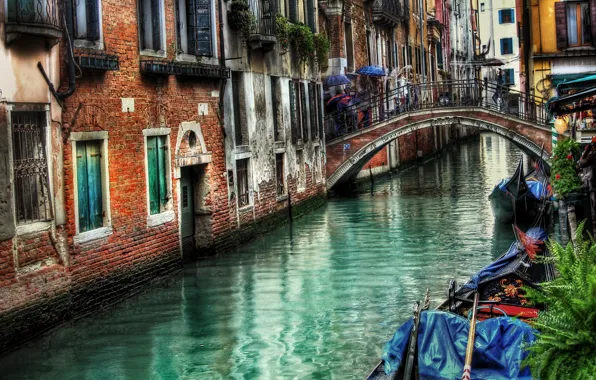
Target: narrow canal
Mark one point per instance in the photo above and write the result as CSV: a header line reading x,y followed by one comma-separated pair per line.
x,y
316,300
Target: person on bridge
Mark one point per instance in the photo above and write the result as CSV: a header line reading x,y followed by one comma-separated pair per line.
x,y
499,89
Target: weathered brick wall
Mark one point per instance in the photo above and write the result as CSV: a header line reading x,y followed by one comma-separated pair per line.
x,y
359,34
104,271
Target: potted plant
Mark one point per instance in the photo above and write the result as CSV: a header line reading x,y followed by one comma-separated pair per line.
x,y
566,347
240,18
564,177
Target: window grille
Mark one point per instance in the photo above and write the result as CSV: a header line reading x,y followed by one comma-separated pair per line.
x,y
242,174
279,171
30,167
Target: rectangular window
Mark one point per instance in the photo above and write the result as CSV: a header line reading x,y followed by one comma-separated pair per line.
x,y
368,47
578,24
418,61
313,111
240,127
157,171
506,45
89,184
301,171
303,112
349,46
509,77
481,7
87,23
309,15
506,16
279,173
275,93
293,11
30,167
242,178
193,20
440,55
150,26
294,119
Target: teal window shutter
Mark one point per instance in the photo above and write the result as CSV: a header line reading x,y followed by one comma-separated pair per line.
x,y
162,152
293,115
82,187
500,16
512,15
502,46
152,171
89,185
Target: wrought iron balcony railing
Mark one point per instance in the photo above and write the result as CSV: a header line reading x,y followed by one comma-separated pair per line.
x,y
33,17
386,12
183,69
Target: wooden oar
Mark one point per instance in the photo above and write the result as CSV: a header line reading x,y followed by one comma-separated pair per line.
x,y
471,337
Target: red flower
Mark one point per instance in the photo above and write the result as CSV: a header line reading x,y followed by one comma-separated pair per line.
x,y
558,176
569,157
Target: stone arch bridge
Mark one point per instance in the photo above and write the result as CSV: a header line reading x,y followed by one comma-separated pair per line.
x,y
347,154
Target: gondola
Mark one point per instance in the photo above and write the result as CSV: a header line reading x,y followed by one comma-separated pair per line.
x,y
522,199
430,343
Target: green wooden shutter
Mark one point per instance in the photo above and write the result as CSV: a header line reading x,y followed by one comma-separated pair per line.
x,y
293,11
293,113
94,179
92,9
152,169
561,25
162,152
156,24
82,187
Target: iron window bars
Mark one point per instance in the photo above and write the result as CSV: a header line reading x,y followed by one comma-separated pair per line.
x,y
97,61
30,167
242,174
161,67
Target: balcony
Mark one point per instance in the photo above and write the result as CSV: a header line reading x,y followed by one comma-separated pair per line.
x,y
386,12
263,33
33,17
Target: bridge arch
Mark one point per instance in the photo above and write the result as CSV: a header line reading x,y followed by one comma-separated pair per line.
x,y
529,138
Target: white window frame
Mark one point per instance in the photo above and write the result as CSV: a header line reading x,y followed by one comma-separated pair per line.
x,y
84,43
106,230
167,215
250,204
150,52
25,229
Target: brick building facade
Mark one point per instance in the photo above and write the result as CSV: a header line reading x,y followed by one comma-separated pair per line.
x,y
140,167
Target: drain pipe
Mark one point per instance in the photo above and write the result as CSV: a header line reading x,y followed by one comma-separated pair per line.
x,y
71,66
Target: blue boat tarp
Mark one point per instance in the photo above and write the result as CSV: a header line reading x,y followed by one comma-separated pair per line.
x,y
493,268
442,341
537,189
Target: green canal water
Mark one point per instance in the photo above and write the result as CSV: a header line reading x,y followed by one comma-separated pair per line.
x,y
315,300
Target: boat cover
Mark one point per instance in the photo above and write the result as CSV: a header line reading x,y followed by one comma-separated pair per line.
x,y
496,266
537,189
442,340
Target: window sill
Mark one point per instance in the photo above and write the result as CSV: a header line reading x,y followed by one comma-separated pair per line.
x,y
282,198
87,44
26,229
88,236
301,189
153,53
245,209
159,219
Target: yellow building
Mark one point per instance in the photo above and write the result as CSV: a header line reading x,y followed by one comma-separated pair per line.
x,y
563,43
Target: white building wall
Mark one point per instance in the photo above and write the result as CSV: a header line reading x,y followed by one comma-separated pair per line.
x,y
491,30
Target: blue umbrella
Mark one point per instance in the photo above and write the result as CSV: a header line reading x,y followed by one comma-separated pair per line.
x,y
371,71
336,80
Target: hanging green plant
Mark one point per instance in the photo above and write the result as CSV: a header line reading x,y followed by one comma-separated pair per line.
x,y
240,18
564,177
303,41
282,30
322,48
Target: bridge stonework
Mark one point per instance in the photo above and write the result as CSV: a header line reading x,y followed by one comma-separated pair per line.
x,y
347,155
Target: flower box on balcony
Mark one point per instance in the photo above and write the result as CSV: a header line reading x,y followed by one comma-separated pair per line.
x,y
97,60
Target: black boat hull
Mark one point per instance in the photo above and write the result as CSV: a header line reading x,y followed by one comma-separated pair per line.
x,y
508,210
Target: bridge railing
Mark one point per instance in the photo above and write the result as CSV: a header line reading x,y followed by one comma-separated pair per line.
x,y
353,113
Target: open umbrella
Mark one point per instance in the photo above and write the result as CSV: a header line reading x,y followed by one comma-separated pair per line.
x,y
336,80
372,71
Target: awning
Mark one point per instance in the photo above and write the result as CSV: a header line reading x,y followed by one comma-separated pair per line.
x,y
577,84
493,62
580,101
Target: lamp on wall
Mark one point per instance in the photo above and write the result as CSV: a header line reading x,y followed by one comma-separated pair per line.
x,y
561,125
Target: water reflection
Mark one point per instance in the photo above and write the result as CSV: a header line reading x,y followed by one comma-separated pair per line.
x,y
314,300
